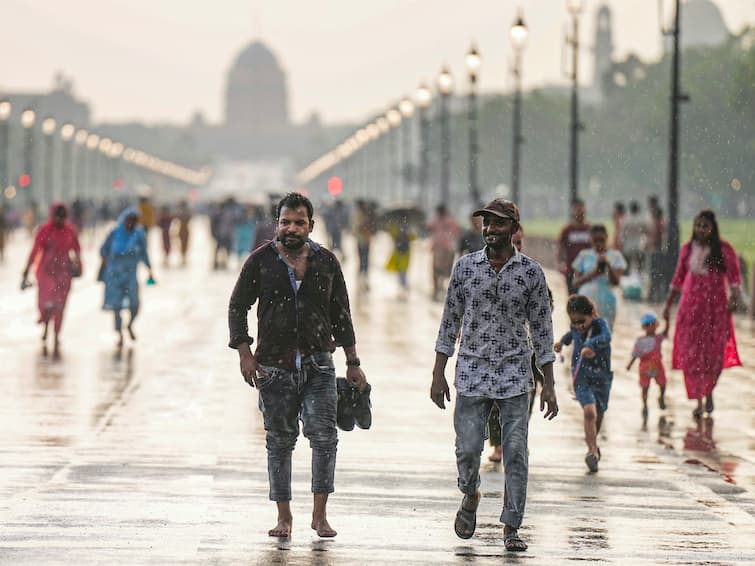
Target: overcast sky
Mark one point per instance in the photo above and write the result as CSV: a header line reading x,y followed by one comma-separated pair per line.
x,y
161,60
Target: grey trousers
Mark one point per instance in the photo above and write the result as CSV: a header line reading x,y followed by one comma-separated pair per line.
x,y
470,422
308,394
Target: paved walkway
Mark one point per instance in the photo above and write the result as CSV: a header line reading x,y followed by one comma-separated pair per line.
x,y
155,453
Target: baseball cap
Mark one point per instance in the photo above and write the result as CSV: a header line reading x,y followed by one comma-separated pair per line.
x,y
648,318
500,207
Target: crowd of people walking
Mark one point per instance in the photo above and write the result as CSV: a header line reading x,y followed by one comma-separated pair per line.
x,y
497,318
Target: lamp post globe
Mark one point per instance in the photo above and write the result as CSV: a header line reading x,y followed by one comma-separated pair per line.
x,y
574,6
27,118
48,126
473,61
424,96
445,81
519,34
406,107
5,109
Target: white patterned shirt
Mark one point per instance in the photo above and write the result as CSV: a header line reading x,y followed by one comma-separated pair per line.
x,y
501,317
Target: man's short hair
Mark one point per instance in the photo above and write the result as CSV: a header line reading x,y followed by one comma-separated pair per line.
x,y
577,202
295,200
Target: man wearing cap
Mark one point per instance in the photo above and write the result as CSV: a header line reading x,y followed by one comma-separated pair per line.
x,y
497,300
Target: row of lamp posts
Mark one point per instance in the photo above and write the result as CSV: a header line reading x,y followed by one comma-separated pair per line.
x,y
396,121
96,157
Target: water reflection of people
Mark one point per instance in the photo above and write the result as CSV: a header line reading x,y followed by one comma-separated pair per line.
x,y
700,436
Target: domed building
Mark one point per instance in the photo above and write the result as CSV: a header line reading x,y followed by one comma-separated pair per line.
x,y
256,96
702,24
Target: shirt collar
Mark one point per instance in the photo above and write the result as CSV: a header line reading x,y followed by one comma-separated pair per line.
x,y
481,256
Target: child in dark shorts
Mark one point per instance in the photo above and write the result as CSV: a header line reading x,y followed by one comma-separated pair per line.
x,y
591,368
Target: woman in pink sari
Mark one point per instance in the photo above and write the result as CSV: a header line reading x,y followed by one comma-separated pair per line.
x,y
704,341
56,255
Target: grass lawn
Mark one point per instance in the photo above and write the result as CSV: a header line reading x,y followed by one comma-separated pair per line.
x,y
740,233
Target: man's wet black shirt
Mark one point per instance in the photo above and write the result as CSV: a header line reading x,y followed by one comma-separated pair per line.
x,y
316,319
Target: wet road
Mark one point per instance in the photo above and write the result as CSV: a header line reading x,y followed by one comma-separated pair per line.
x,y
155,453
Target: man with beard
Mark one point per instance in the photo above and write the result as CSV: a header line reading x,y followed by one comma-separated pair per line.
x,y
302,315
498,300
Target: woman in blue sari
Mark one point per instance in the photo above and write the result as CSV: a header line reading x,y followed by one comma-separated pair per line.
x,y
124,247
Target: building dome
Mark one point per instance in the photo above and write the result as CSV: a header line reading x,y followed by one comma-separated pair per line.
x,y
702,24
256,96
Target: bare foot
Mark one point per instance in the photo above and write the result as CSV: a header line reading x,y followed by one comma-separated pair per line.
x,y
120,340
323,528
497,454
131,332
282,529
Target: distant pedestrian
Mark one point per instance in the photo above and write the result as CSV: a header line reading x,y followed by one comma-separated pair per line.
x,y
574,238
497,301
244,233
400,257
633,237
619,215
266,227
3,231
124,248
444,234
597,270
56,255
591,368
302,314
184,219
164,222
364,229
336,220
471,238
704,340
648,349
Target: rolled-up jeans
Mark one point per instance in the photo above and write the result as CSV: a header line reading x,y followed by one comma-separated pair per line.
x,y
470,422
286,396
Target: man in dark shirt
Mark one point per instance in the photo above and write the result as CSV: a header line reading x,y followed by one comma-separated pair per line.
x,y
574,238
302,315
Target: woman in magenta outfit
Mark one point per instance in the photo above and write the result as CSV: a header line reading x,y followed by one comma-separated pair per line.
x,y
704,341
56,254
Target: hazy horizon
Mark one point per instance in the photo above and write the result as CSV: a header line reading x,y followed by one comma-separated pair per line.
x,y
163,60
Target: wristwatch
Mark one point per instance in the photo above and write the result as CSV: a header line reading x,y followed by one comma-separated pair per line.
x,y
354,362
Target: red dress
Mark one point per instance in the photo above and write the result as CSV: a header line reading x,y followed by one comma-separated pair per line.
x,y
704,341
52,255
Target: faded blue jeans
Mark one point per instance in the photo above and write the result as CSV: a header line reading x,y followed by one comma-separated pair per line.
x,y
309,394
470,422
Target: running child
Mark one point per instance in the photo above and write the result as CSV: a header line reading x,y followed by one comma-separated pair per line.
x,y
648,349
591,368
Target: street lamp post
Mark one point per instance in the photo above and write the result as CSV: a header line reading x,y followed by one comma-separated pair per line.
x,y
394,120
672,244
93,178
574,7
518,34
48,129
80,139
66,168
28,118
5,110
384,127
445,84
473,62
406,107
424,99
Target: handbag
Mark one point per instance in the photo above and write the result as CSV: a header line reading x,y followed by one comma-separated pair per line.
x,y
74,267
